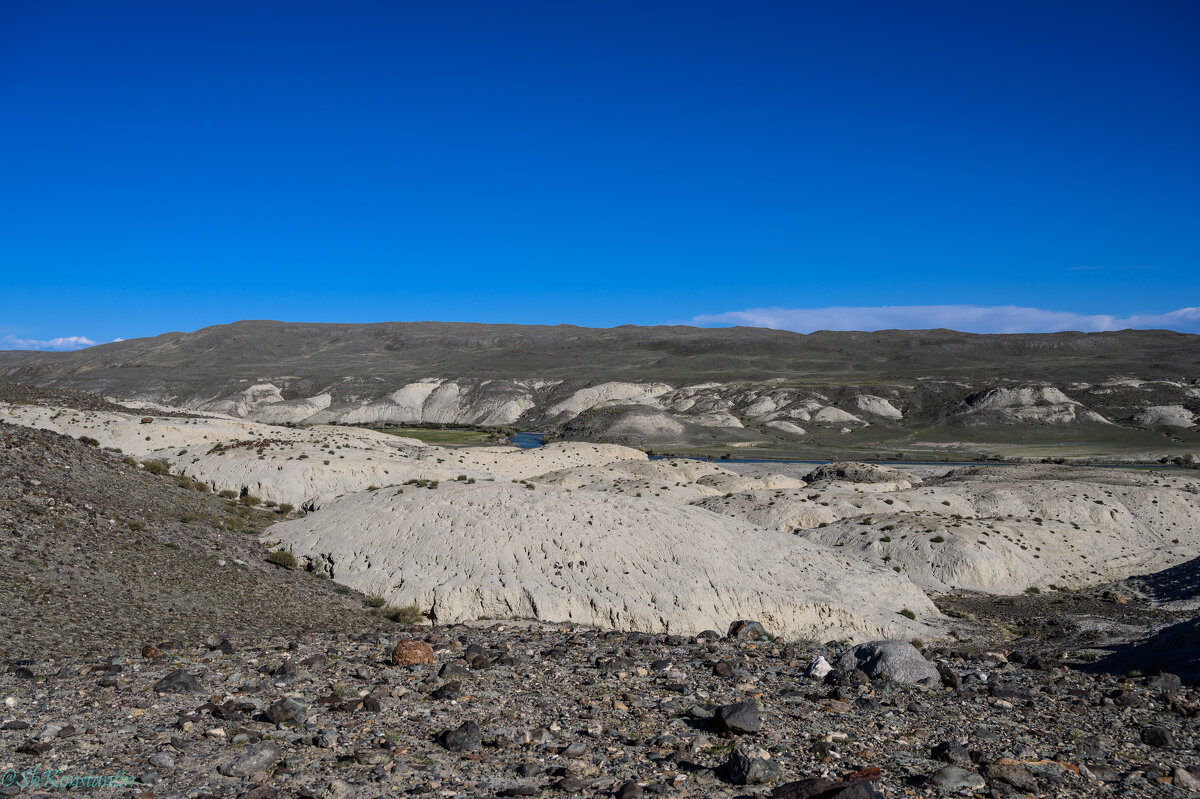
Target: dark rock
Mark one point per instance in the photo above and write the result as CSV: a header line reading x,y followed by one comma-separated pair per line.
x,y
950,677
816,788
177,682
1009,693
286,710
450,690
1013,774
740,717
573,784
629,790
751,765
465,738
1158,737
722,668
260,792
453,670
952,753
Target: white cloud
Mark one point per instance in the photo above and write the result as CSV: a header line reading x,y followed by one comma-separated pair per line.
x,y
967,318
61,343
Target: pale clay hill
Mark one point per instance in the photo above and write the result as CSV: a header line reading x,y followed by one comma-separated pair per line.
x,y
598,534
673,387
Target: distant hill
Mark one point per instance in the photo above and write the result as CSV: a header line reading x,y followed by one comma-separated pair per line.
x,y
532,376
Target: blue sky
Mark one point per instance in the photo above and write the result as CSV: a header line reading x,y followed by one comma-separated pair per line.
x,y
997,166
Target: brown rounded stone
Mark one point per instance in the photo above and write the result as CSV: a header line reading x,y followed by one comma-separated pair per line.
x,y
412,653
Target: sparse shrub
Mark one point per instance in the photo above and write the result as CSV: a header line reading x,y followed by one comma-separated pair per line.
x,y
284,508
918,643
409,614
1033,589
376,601
136,525
249,500
908,614
937,539
372,488
154,467
91,442
128,461
269,503
946,502
188,518
281,557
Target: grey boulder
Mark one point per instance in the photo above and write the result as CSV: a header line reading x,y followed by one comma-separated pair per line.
x,y
899,661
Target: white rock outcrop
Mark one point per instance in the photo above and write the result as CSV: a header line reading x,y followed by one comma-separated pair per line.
x,y
787,428
1167,415
501,550
877,406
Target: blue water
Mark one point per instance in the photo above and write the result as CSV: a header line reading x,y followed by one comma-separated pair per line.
x,y
527,440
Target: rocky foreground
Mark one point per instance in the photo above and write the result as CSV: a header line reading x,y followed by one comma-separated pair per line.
x,y
514,710
154,647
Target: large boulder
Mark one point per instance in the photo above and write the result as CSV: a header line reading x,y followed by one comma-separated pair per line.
x,y
899,661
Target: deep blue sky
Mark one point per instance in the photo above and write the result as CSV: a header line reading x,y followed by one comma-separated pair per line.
x,y
168,165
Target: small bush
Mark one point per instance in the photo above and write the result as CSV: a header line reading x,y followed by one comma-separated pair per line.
x,y
376,601
937,539
227,494
136,525
281,557
284,508
918,643
409,614
154,467
1033,589
908,614
249,500
188,518
91,442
